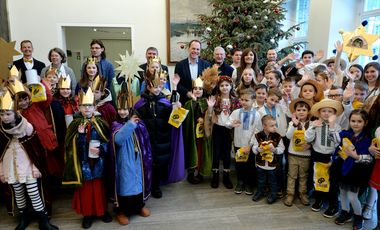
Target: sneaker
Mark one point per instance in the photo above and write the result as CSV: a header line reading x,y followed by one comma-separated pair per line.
x,y
289,200
156,193
367,212
358,222
316,207
279,195
344,217
239,188
304,199
106,218
257,196
331,212
87,222
271,198
122,219
248,190
145,212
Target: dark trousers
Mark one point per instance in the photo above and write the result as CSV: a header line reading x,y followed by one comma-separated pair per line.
x,y
266,175
130,205
245,171
221,137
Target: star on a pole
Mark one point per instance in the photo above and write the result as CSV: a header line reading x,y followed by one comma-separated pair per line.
x,y
7,51
358,42
129,65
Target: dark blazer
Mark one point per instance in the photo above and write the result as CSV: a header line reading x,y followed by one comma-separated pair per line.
x,y
225,70
183,70
20,65
144,66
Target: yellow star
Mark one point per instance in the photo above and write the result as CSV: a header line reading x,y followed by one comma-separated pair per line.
x,y
358,43
6,57
129,65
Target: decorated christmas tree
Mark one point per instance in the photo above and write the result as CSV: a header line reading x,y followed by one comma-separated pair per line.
x,y
246,23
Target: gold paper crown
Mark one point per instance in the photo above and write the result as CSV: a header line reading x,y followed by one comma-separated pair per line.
x,y
122,97
15,86
153,80
14,72
6,102
164,74
64,82
87,98
91,60
154,59
198,83
99,83
52,70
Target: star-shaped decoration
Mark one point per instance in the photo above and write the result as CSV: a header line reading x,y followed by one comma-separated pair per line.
x,y
129,65
358,42
7,51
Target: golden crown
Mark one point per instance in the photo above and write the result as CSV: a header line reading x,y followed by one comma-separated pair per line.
x,y
153,80
64,82
14,72
99,83
15,86
122,97
52,70
154,59
198,83
6,102
86,98
92,60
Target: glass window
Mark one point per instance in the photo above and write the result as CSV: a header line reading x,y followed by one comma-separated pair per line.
x,y
302,16
371,5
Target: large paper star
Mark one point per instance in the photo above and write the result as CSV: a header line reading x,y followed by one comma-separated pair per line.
x,y
129,65
7,51
358,43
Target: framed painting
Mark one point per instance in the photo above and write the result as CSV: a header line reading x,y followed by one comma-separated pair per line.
x,y
183,26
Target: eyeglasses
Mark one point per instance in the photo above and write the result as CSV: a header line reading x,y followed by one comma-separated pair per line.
x,y
334,95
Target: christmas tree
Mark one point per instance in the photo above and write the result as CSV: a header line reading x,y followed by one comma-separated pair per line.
x,y
246,23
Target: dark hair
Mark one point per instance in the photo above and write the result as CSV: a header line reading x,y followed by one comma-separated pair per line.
x,y
276,92
100,43
307,52
60,52
233,51
360,68
25,41
277,74
320,68
360,85
335,87
302,104
261,86
152,48
194,40
266,118
84,80
375,65
374,117
288,79
248,91
364,115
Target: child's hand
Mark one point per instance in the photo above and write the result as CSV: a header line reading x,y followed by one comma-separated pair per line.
x,y
294,119
246,149
290,57
81,128
135,119
211,101
351,153
271,147
317,123
176,79
305,146
200,121
36,174
94,150
374,151
177,105
236,123
260,150
319,55
339,47
332,120
348,94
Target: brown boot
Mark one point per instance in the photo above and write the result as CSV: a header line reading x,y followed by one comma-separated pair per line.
x,y
304,199
289,200
145,212
122,219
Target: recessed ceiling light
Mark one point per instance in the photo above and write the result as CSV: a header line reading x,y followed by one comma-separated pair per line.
x,y
123,32
95,29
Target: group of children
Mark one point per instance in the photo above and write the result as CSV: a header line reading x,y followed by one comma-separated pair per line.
x,y
275,127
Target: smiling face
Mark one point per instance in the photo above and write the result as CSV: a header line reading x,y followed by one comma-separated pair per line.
x,y
225,88
287,86
355,72
272,55
308,92
246,101
357,123
261,95
272,100
27,49
123,113
307,59
52,79
198,92
371,74
55,58
155,90
325,113
91,70
301,112
219,55
24,102
65,92
194,50
249,58
272,80
247,76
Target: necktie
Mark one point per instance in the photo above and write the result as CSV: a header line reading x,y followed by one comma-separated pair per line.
x,y
28,60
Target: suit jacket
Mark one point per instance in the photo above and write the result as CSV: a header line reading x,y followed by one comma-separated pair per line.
x,y
20,65
183,70
225,70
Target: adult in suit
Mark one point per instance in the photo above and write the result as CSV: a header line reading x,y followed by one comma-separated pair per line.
x,y
57,57
150,53
224,68
189,69
27,61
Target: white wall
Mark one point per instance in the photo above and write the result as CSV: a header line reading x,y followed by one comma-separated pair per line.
x,y
45,18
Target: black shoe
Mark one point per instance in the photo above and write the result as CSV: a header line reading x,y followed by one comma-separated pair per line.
x,y
44,223
215,180
344,217
239,187
358,222
227,181
87,222
192,179
316,207
271,198
156,193
199,177
23,220
106,218
257,196
331,212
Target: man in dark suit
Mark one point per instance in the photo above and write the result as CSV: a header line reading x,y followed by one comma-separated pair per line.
x,y
150,53
189,69
27,61
224,68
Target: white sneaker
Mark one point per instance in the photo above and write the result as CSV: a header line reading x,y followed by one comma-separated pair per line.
x,y
367,212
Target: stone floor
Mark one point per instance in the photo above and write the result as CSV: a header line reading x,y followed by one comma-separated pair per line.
x,y
184,206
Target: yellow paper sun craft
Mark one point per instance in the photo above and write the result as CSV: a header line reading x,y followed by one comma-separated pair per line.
x,y
358,42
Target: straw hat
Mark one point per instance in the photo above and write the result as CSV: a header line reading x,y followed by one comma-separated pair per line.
x,y
319,94
326,103
343,63
292,106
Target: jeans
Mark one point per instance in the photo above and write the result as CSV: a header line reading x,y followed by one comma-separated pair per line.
x,y
262,175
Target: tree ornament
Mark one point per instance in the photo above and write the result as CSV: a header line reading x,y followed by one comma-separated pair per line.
x,y
245,12
248,37
265,17
208,29
272,40
182,46
298,28
254,27
298,48
256,13
229,47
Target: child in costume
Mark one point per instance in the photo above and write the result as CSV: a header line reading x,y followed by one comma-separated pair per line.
x,y
197,147
267,146
298,152
352,167
90,71
132,157
154,66
22,162
246,122
219,109
103,100
86,147
320,135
